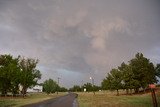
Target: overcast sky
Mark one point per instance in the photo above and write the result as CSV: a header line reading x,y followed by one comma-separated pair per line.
x,y
76,39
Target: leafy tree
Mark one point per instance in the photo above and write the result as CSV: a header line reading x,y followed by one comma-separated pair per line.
x,y
122,67
97,88
63,89
15,76
139,73
128,79
113,80
88,87
107,82
29,73
143,70
50,86
116,80
75,88
9,74
15,72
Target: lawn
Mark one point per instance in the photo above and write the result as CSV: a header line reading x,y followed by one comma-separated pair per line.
x,y
109,99
32,98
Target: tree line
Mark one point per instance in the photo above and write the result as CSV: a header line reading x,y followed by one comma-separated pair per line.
x,y
138,73
88,88
51,86
17,72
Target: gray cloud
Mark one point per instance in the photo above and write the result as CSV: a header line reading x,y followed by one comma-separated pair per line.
x,y
75,39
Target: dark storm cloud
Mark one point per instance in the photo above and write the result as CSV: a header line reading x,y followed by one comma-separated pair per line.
x,y
80,38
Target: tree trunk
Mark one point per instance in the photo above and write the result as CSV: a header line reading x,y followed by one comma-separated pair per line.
x,y
127,91
131,91
24,91
94,92
4,93
117,92
14,91
137,90
144,90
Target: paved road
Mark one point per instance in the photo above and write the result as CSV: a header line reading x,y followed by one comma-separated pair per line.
x,y
68,100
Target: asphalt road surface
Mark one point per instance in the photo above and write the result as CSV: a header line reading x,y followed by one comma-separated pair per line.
x,y
68,100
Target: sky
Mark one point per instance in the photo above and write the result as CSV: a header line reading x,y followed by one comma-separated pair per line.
x,y
78,39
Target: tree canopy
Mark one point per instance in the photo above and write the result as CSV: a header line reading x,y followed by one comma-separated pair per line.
x,y
138,73
50,86
16,72
29,73
9,74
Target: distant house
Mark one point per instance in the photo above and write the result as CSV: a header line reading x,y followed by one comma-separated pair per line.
x,y
36,88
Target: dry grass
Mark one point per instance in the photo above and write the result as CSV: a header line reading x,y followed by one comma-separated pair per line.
x,y
32,98
109,99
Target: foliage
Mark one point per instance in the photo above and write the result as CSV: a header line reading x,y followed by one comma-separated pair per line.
x,y
88,87
107,82
50,86
29,73
9,74
63,89
139,73
128,78
113,80
143,71
15,72
75,88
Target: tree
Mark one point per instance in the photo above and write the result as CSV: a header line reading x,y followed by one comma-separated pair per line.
x,y
116,80
50,86
139,73
9,74
75,88
128,79
97,88
29,74
63,89
143,70
15,72
107,82
88,87
113,81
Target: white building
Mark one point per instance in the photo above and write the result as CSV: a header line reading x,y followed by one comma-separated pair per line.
x,y
36,88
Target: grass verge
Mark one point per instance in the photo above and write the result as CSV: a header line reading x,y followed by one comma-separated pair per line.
x,y
109,99
32,98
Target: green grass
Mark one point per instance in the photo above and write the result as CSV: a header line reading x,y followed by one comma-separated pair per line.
x,y
109,99
32,98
